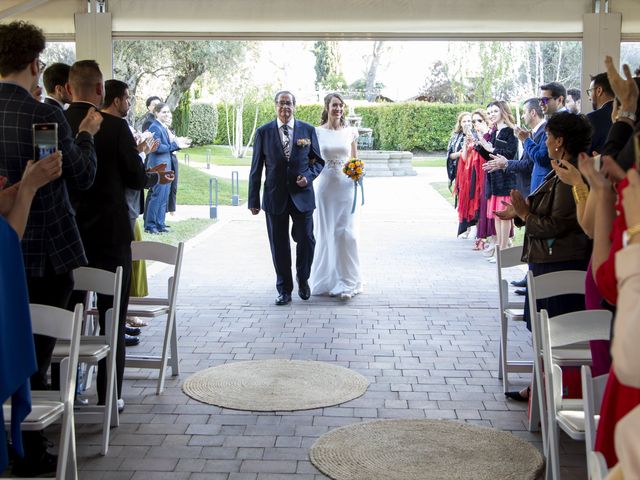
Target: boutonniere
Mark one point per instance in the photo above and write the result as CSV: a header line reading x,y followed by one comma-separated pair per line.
x,y
303,142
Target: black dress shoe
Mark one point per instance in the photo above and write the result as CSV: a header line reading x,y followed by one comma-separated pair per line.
x,y
131,341
45,466
163,230
520,283
517,396
134,332
304,292
152,231
520,291
283,299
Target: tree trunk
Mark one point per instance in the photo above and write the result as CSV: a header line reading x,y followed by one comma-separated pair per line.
x,y
181,84
372,70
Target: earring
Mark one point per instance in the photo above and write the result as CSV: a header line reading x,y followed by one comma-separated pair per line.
x,y
556,149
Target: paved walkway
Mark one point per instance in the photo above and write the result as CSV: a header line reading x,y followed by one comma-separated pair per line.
x,y
424,332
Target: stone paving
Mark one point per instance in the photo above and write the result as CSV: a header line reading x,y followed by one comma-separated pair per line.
x,y
424,332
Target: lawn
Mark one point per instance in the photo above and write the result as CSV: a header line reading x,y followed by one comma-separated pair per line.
x,y
443,189
180,231
193,187
429,162
220,155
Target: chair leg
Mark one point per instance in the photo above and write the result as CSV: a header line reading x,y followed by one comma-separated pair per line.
x,y
174,361
535,405
504,367
164,359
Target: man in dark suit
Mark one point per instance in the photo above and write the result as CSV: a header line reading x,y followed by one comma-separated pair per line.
x,y
101,211
51,245
288,150
55,79
601,96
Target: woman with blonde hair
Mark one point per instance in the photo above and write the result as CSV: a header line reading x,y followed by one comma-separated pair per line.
x,y
454,149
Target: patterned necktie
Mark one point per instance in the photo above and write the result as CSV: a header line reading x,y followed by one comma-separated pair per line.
x,y
286,144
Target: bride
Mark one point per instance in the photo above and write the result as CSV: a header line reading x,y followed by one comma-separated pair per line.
x,y
336,267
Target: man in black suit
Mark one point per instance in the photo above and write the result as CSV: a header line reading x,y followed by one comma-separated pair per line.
x,y
51,244
289,152
101,211
55,79
601,96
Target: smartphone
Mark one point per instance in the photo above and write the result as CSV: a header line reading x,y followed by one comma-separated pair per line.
x,y
597,162
45,139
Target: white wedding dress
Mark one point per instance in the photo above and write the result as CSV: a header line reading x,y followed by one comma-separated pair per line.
x,y
336,266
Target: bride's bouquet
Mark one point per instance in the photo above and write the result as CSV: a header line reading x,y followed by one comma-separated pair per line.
x,y
354,169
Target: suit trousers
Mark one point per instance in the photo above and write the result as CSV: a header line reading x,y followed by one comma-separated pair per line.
x,y
156,206
55,290
302,233
173,192
105,302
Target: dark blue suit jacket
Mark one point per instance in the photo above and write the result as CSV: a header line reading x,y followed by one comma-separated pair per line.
x,y
601,122
280,175
51,231
537,150
526,168
163,153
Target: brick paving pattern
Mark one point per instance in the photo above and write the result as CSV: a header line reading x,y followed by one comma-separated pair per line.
x,y
425,333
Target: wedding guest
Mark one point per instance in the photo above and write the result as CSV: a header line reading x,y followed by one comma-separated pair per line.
x,y
553,238
150,116
500,182
55,79
454,149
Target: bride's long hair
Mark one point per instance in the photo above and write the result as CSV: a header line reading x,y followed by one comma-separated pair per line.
x,y
325,113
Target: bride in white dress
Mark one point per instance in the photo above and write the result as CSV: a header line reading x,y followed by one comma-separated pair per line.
x,y
336,266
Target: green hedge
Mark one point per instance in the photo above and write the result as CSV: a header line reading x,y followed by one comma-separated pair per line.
x,y
203,123
396,126
412,125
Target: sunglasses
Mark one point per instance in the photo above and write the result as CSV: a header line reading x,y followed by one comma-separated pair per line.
x,y
545,100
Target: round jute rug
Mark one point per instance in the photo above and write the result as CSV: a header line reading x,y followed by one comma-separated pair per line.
x,y
272,385
424,450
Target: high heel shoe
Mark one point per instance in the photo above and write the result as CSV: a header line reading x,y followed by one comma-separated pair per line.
x,y
478,245
517,396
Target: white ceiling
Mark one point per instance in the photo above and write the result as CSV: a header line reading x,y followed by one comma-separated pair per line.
x,y
334,18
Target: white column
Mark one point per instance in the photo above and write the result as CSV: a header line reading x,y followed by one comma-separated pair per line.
x,y
94,41
601,36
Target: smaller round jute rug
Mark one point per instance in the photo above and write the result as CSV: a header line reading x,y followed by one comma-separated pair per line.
x,y
272,385
424,450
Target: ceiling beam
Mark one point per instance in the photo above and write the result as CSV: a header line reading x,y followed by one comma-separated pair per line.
x,y
20,8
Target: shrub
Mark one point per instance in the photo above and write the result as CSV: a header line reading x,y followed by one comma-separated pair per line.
x,y
396,126
203,123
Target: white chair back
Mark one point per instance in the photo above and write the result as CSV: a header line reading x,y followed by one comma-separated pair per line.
x,y
508,311
557,332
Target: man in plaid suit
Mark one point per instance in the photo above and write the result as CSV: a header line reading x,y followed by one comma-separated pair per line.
x,y
51,244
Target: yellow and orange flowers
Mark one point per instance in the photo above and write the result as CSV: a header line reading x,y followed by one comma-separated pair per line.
x,y
354,169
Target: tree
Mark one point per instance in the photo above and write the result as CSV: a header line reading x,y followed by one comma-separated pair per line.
x,y
328,66
180,61
373,62
63,52
437,86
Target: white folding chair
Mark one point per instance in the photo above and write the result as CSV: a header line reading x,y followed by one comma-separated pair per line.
x,y
508,311
557,333
592,393
94,348
62,325
546,286
151,307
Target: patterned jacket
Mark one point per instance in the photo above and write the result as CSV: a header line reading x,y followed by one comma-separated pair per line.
x,y
51,231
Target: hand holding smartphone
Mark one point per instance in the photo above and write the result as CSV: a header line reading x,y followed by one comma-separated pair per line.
x,y
45,139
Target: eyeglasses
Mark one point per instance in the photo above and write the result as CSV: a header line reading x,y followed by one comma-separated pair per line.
x,y
284,104
477,120
545,100
41,65
590,91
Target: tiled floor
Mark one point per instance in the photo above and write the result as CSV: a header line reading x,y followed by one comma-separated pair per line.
x,y
424,332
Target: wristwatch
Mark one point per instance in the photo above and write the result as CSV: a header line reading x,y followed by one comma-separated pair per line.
x,y
624,114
